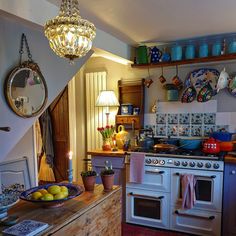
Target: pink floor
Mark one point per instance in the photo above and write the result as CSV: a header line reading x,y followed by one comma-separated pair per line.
x,y
133,230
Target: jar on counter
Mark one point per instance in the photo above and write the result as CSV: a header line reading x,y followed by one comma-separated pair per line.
x,y
176,52
216,48
232,46
203,49
190,51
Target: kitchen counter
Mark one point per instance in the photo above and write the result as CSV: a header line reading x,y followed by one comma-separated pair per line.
x,y
230,159
119,153
91,213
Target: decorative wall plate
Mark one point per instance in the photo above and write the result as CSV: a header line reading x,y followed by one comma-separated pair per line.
x,y
232,85
201,77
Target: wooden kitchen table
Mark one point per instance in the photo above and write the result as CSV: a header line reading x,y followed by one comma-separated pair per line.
x,y
91,213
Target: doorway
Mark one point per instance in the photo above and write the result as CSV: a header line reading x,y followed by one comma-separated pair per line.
x,y
59,110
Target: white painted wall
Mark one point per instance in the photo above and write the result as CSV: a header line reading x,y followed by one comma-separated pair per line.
x,y
116,71
39,11
25,147
57,72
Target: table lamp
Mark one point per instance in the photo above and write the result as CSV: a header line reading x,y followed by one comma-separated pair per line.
x,y
107,98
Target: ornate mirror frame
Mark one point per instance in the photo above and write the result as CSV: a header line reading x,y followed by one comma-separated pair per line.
x,y
8,89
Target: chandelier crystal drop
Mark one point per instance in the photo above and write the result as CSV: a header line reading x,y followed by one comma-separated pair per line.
x,y
69,35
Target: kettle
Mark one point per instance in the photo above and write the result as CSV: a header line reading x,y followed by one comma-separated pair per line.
x,y
121,137
145,141
211,146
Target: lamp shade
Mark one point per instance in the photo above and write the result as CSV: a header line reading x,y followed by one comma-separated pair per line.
x,y
107,98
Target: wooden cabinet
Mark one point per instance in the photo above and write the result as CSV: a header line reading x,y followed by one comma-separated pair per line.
x,y
229,202
91,213
131,92
118,165
134,121
117,160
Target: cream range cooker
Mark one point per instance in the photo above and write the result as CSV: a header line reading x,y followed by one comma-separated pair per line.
x,y
157,201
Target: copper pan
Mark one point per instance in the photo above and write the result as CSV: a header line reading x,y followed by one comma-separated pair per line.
x,y
160,147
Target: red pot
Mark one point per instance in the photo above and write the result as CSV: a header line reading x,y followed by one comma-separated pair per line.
x,y
211,146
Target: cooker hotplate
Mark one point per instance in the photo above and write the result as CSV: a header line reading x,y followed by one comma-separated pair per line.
x,y
183,153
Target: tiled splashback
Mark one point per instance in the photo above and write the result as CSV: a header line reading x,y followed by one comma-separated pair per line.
x,y
176,120
186,124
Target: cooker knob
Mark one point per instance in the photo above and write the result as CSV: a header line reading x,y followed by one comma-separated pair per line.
x,y
176,163
200,164
162,162
184,163
208,165
148,161
192,164
216,166
155,161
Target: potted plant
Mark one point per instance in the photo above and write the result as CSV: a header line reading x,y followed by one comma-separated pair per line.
x,y
89,178
107,135
107,176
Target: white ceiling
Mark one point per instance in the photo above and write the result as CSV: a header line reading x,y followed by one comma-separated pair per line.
x,y
137,21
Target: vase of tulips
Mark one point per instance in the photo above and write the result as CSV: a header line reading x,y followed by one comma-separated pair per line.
x,y
107,135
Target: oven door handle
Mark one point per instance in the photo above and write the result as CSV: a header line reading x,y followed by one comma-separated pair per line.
x,y
203,176
158,172
144,196
197,216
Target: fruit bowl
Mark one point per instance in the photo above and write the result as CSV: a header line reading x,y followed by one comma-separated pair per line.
x,y
73,191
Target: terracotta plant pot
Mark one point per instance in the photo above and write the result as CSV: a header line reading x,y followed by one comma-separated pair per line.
x,y
89,182
107,181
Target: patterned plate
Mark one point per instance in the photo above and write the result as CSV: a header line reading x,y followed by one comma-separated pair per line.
x,y
200,77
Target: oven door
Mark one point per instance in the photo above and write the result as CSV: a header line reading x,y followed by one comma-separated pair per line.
x,y
208,188
196,221
157,178
147,208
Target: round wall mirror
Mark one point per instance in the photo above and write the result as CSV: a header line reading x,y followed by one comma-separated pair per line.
x,y
26,90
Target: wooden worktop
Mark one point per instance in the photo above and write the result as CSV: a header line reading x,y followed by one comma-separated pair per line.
x,y
230,159
87,214
119,153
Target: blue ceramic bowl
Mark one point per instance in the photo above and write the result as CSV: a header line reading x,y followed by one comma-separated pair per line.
x,y
190,144
6,202
74,191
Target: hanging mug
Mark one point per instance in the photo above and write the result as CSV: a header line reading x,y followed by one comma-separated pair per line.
x,y
223,80
162,78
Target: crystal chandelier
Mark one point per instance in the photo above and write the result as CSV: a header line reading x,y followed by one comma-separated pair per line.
x,y
69,35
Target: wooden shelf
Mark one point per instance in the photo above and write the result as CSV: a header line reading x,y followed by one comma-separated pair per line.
x,y
227,57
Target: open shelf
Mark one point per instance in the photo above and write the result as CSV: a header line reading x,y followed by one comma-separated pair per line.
x,y
227,57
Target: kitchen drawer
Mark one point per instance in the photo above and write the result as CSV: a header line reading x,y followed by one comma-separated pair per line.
x,y
129,120
121,120
197,222
134,119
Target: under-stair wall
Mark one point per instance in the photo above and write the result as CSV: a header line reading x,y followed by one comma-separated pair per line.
x,y
57,72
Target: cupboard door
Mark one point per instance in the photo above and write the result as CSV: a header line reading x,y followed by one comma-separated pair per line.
x,y
118,165
229,202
